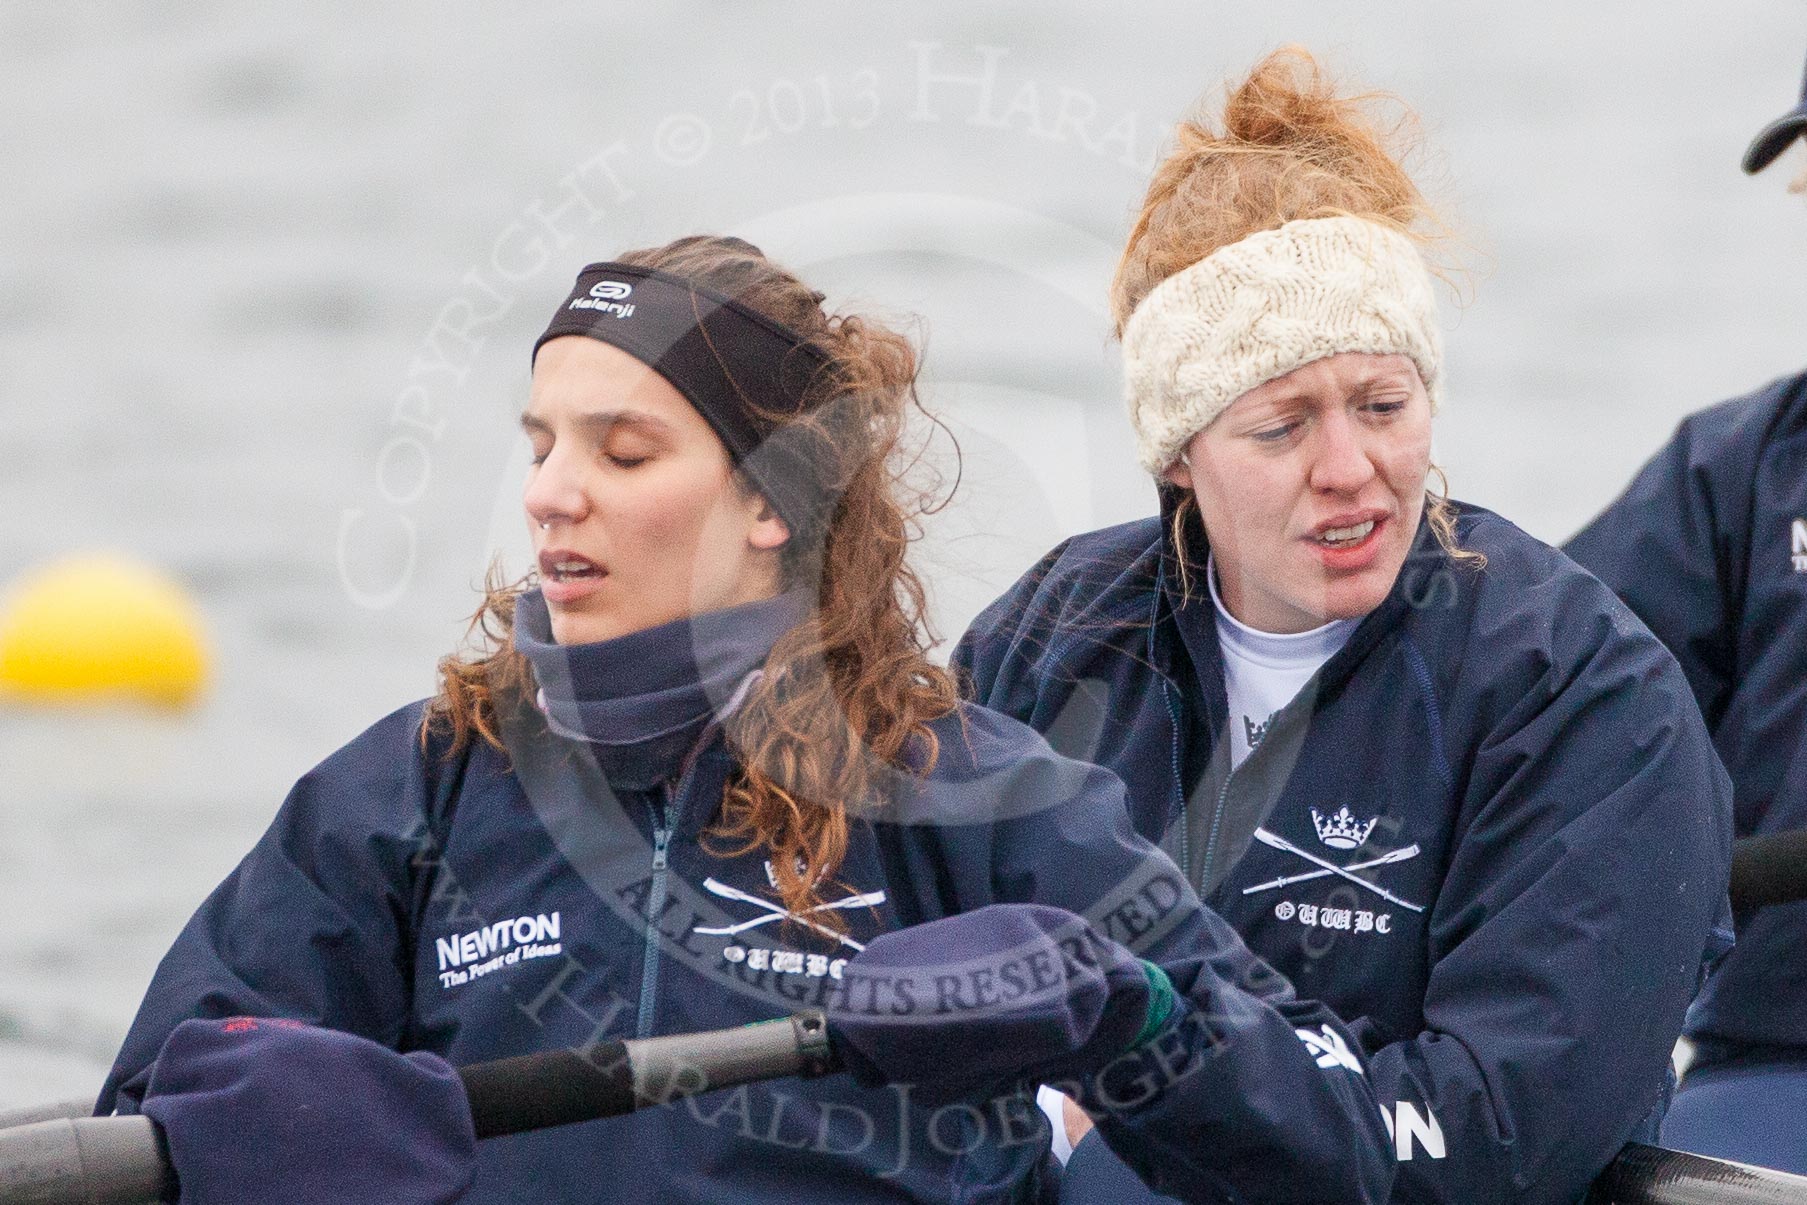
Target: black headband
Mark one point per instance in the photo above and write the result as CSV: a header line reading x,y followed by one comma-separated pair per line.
x,y
742,371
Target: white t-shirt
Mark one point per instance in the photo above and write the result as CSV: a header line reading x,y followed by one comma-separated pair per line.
x,y
1262,671
1049,1101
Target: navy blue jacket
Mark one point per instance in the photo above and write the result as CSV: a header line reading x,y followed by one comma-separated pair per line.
x,y
1709,546
480,908
1490,834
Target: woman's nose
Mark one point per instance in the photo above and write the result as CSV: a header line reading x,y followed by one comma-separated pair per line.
x,y
554,494
1341,463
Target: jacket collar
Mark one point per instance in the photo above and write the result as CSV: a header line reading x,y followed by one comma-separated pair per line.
x,y
645,701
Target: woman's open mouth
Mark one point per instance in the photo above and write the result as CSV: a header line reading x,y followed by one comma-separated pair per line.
x,y
1345,537
566,576
1349,546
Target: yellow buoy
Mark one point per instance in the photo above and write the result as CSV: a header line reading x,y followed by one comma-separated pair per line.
x,y
96,627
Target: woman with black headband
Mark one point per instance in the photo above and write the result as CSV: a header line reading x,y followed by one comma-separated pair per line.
x,y
702,774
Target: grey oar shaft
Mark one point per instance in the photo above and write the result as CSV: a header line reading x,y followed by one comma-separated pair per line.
x,y
94,1160
123,1161
685,1064
9,1118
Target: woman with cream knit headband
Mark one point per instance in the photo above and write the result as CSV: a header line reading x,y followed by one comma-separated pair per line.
x,y
1432,772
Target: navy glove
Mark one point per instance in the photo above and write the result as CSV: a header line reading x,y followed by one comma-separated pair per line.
x,y
981,1000
262,1110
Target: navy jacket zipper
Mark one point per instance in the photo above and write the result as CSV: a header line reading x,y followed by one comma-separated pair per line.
x,y
655,905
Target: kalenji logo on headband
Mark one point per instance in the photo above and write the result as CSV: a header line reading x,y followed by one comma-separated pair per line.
x,y
606,295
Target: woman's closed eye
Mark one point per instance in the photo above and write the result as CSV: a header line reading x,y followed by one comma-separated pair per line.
x,y
627,449
621,458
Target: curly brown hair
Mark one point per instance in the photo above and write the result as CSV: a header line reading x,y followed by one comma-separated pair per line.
x,y
846,697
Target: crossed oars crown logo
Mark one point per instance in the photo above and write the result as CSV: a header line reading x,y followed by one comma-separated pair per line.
x,y
1343,830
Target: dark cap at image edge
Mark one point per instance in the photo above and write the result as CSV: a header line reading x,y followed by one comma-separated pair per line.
x,y
1774,138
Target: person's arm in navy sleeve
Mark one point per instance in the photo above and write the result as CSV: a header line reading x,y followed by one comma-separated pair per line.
x,y
312,924
1569,935
1675,544
1248,1093
1002,638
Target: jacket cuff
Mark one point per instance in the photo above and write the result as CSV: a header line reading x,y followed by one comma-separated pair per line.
x,y
1095,1176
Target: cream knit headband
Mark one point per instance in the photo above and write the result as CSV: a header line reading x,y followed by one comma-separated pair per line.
x,y
1263,306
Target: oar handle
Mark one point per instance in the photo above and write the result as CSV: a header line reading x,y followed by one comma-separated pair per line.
x,y
125,1161
558,1087
85,1161
1653,1175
